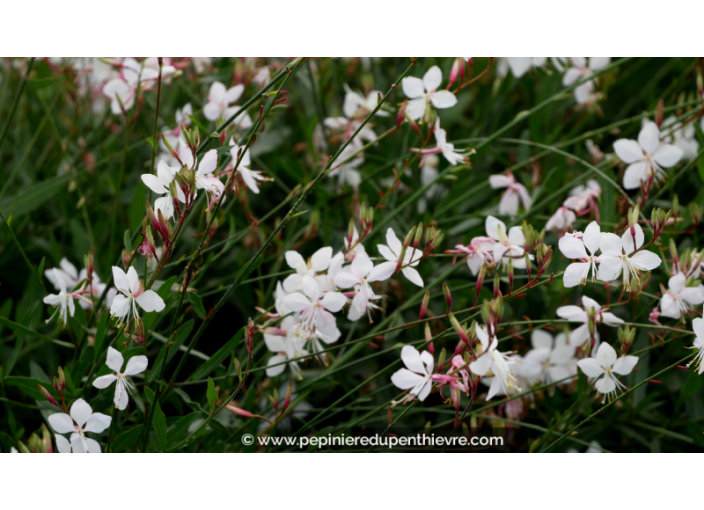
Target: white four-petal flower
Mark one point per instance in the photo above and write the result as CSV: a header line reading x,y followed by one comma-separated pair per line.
x,y
115,360
424,92
606,364
391,251
85,421
417,376
646,157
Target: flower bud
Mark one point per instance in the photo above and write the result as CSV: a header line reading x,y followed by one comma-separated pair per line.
x,y
625,337
419,236
448,296
458,328
47,395
424,305
250,335
497,287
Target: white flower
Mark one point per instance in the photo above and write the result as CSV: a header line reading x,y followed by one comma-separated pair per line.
x,y
576,314
355,104
620,255
358,247
575,247
508,205
424,92
698,328
287,347
314,314
250,177
580,70
347,172
647,157
448,149
362,274
679,298
682,137
392,251
583,197
219,101
115,360
520,65
306,277
160,184
63,301
204,178
131,294
71,277
85,421
509,246
477,253
417,376
499,363
66,272
605,364
548,361
562,220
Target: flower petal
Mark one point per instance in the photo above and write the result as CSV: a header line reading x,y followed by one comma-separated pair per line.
x,y
150,301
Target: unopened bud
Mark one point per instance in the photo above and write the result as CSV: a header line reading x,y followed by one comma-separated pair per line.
x,y
448,296
424,305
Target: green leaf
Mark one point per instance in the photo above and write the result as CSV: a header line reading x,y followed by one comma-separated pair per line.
x,y
692,384
160,426
100,335
197,303
33,197
200,126
212,395
153,143
29,386
127,439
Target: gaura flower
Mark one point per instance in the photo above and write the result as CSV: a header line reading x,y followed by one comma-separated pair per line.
x,y
250,177
306,277
619,255
287,346
477,253
576,314
581,69
515,192
679,298
606,364
356,105
315,314
698,328
391,251
219,101
562,220
520,65
131,294
682,137
418,374
85,421
424,92
160,184
362,273
646,157
490,359
123,387
63,301
509,245
549,360
575,247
